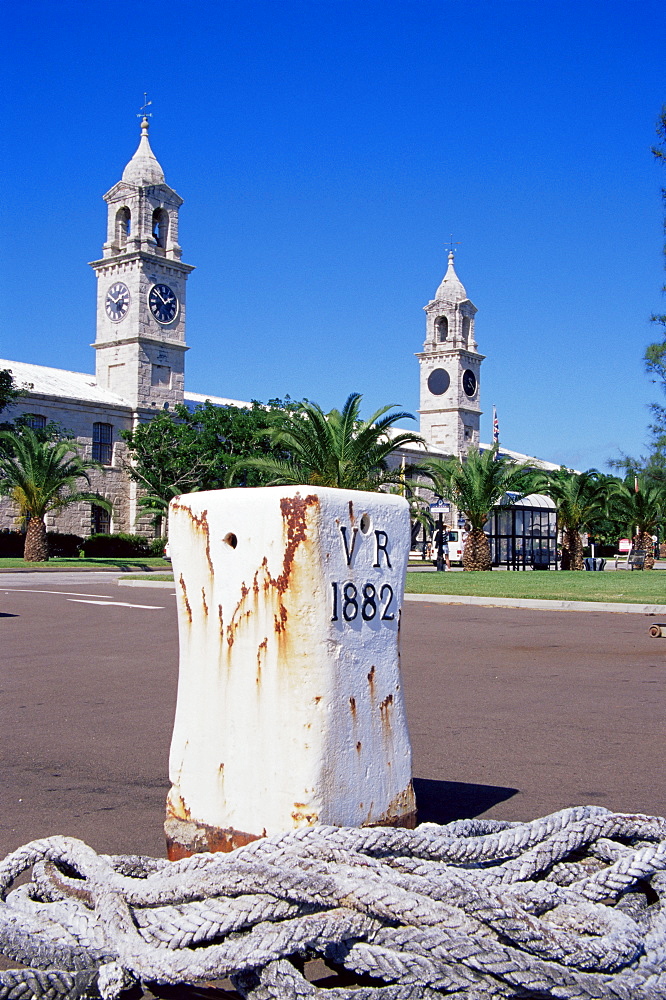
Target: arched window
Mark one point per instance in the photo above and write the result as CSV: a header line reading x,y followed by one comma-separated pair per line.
x,y
123,225
100,520
102,443
160,227
442,328
465,329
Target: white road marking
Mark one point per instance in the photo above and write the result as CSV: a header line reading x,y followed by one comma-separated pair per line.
x,y
64,593
118,604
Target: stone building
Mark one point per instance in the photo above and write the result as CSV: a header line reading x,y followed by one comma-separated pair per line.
x,y
140,353
139,344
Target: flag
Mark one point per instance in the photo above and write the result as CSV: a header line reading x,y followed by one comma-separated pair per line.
x,y
495,427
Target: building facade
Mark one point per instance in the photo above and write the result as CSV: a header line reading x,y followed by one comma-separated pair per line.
x,y
139,343
140,351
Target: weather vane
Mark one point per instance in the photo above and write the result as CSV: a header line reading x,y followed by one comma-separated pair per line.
x,y
452,246
146,104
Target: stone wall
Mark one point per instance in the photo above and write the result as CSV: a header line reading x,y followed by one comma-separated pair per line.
x,y
110,481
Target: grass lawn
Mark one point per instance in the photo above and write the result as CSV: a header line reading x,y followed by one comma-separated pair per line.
x,y
621,586
138,563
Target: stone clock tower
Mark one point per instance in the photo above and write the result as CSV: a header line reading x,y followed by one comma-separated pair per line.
x,y
140,340
450,370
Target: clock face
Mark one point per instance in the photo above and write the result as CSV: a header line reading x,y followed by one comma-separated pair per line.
x,y
163,303
117,302
438,381
469,382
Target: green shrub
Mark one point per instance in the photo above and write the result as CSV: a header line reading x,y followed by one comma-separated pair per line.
x,y
11,544
157,546
118,545
63,545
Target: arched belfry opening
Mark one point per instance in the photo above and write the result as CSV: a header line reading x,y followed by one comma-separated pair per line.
x,y
465,330
123,226
161,227
442,329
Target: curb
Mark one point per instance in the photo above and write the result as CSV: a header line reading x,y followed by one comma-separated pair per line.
x,y
163,584
538,605
49,568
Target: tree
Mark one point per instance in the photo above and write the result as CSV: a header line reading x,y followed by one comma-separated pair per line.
x,y
42,476
475,485
184,452
334,449
581,502
638,504
9,390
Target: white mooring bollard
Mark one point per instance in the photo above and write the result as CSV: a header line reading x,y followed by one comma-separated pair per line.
x,y
290,710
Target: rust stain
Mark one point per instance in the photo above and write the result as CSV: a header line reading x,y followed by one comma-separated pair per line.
x,y
203,601
176,807
201,522
263,646
351,511
302,816
371,681
235,622
188,609
235,625
220,618
317,699
294,514
358,746
281,622
401,811
385,713
352,705
185,838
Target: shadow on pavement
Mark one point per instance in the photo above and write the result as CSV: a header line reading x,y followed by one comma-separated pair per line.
x,y
444,801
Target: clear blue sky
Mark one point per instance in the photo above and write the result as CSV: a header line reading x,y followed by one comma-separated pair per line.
x,y
326,150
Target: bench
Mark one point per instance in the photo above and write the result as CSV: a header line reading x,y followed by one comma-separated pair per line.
x,y
636,559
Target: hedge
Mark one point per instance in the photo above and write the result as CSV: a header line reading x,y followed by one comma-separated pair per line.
x,y
122,545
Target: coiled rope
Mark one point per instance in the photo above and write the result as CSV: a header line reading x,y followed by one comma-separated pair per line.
x,y
572,905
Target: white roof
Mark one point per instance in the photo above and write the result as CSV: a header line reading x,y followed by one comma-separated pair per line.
x,y
539,500
82,386
58,382
198,397
517,456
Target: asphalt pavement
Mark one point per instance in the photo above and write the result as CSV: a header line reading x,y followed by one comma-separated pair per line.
x,y
513,713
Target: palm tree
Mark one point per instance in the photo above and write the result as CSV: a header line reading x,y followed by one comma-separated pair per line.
x,y
638,504
580,498
42,476
334,449
475,485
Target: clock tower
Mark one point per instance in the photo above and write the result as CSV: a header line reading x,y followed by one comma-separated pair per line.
x,y
450,370
141,279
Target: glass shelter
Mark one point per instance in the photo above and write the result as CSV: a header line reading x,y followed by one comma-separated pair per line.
x,y
524,534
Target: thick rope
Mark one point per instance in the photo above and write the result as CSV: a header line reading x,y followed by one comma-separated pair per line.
x,y
569,906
